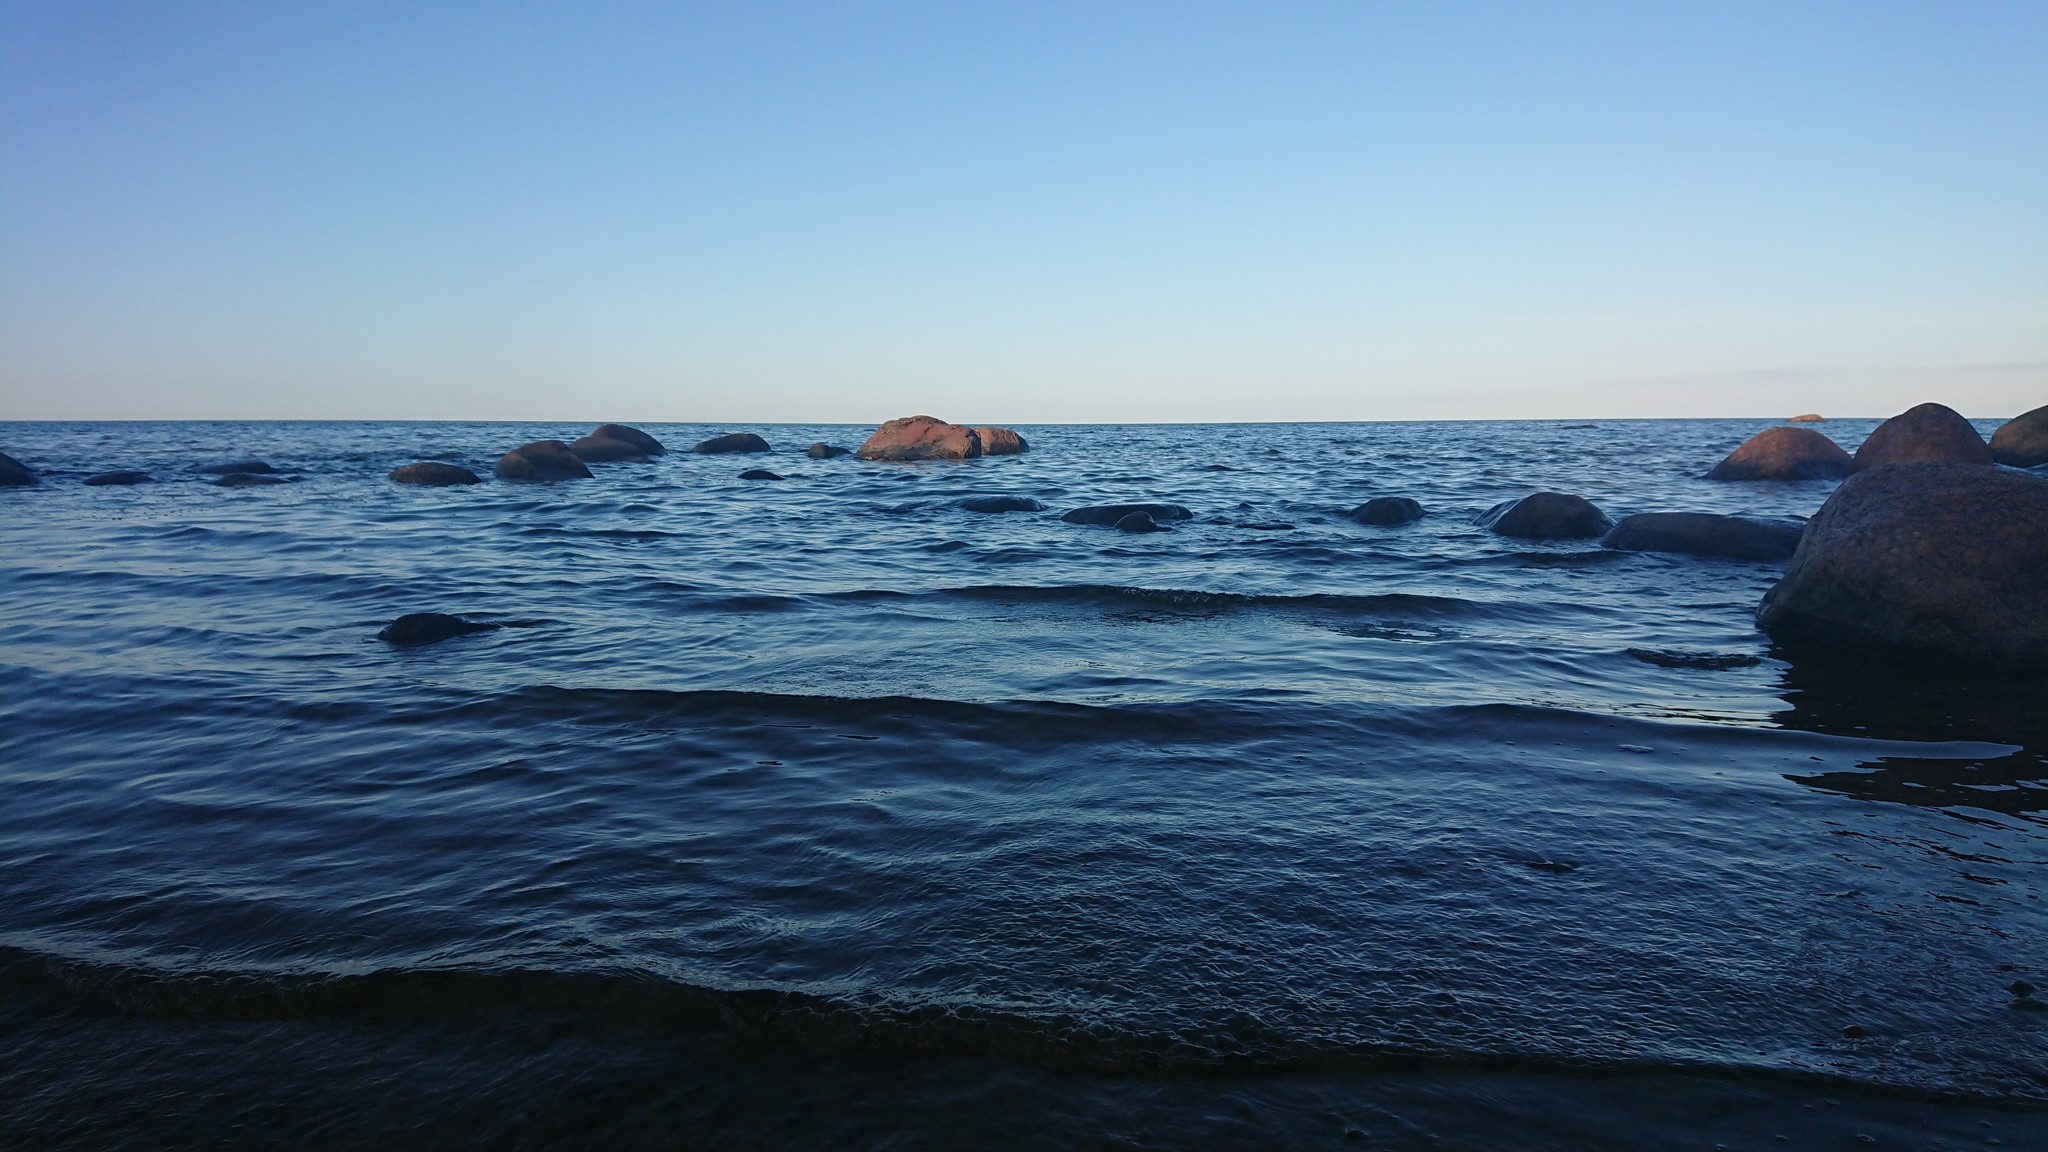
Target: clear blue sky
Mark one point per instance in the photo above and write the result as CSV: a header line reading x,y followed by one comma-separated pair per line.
x,y
1024,213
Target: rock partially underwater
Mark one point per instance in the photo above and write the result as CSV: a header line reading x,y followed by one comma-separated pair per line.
x,y
1702,534
434,474
732,442
921,438
429,627
2022,442
611,442
1110,514
1924,433
541,462
1784,454
15,474
1387,511
1547,516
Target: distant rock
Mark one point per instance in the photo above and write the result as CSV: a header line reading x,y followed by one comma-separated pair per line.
x,y
1111,513
2022,441
15,474
921,438
1387,511
611,442
1784,454
733,442
428,627
1001,504
104,479
759,474
1939,560
246,467
541,462
1000,442
1924,432
1701,534
1805,418
434,474
1547,516
1139,522
824,451
249,479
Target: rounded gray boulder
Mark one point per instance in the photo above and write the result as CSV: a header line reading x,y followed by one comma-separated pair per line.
x,y
434,474
1924,432
541,462
1784,453
1388,511
1547,516
733,442
2022,441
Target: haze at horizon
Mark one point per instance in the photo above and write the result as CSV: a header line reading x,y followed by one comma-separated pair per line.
x,y
1036,214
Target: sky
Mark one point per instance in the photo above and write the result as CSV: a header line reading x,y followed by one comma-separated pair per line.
x,y
1021,213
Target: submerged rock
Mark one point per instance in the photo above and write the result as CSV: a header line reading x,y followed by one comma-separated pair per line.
x,y
434,474
1001,504
1702,534
427,627
759,474
1111,513
541,462
1139,522
2022,441
1547,516
1936,560
246,467
1387,511
1924,432
249,480
732,442
1784,454
104,479
15,474
616,442
824,451
1000,441
921,438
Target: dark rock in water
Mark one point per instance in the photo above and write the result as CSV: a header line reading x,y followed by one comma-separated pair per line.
x,y
249,480
733,442
616,442
434,474
1940,560
921,438
759,474
1925,432
1111,513
1805,418
1388,510
1000,441
15,474
248,467
1784,454
106,478
1711,661
1001,504
824,451
2020,988
1701,534
427,627
2022,441
541,462
1547,516
1139,522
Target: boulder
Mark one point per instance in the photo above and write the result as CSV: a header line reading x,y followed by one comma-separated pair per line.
x,y
427,627
247,467
1001,504
2022,441
103,479
1806,418
1701,534
1387,510
434,474
1111,513
921,438
759,474
1139,522
1547,516
15,474
824,451
1784,454
733,442
1938,560
1000,442
1925,432
616,442
249,479
541,462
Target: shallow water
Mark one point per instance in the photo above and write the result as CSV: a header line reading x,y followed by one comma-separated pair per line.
x,y
824,812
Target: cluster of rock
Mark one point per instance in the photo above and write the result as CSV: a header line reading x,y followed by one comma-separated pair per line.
x,y
930,438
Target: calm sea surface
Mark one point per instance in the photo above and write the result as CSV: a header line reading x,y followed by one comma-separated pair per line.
x,y
822,812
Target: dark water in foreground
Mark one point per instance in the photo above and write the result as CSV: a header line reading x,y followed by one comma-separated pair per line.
x,y
824,813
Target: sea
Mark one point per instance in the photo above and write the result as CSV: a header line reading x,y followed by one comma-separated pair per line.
x,y
820,812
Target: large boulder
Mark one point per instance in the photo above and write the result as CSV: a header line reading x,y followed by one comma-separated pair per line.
x,y
1935,560
616,442
733,442
921,438
15,474
1784,453
1112,513
2023,440
1547,516
541,462
1387,511
1701,534
1000,441
1925,432
106,479
434,474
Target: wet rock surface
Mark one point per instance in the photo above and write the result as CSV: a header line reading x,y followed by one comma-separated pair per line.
x,y
1387,511
1922,434
15,474
541,462
1000,441
1704,534
1001,504
732,442
434,474
1105,514
1784,453
760,474
1547,516
2022,442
